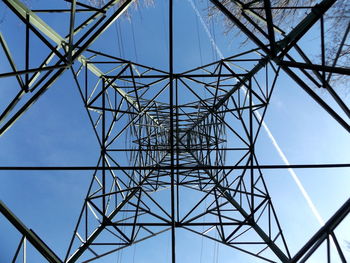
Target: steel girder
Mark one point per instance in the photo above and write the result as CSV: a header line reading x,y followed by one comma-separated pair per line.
x,y
199,133
61,57
325,234
279,51
182,140
29,235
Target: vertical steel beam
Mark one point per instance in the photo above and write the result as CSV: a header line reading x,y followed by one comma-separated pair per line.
x,y
271,32
171,132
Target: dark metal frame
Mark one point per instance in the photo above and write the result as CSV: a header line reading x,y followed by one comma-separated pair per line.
x,y
198,136
177,143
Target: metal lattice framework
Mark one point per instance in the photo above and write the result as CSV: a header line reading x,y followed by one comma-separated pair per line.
x,y
185,134
130,104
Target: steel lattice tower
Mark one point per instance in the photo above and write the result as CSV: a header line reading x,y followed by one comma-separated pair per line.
x,y
189,136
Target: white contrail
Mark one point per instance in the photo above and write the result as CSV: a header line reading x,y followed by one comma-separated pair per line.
x,y
266,128
291,171
206,29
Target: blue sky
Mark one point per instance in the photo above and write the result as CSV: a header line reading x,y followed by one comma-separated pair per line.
x,y
56,131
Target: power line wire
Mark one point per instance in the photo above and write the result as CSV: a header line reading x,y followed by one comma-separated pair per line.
x,y
291,171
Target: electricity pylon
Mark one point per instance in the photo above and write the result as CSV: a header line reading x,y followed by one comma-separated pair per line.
x,y
189,134
177,149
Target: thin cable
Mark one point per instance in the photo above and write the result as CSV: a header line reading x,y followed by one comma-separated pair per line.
x,y
134,254
118,40
199,43
213,35
134,39
202,241
267,130
206,29
121,38
213,53
214,250
201,251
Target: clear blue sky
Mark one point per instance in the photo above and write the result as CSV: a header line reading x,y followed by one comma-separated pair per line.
x,y
56,131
